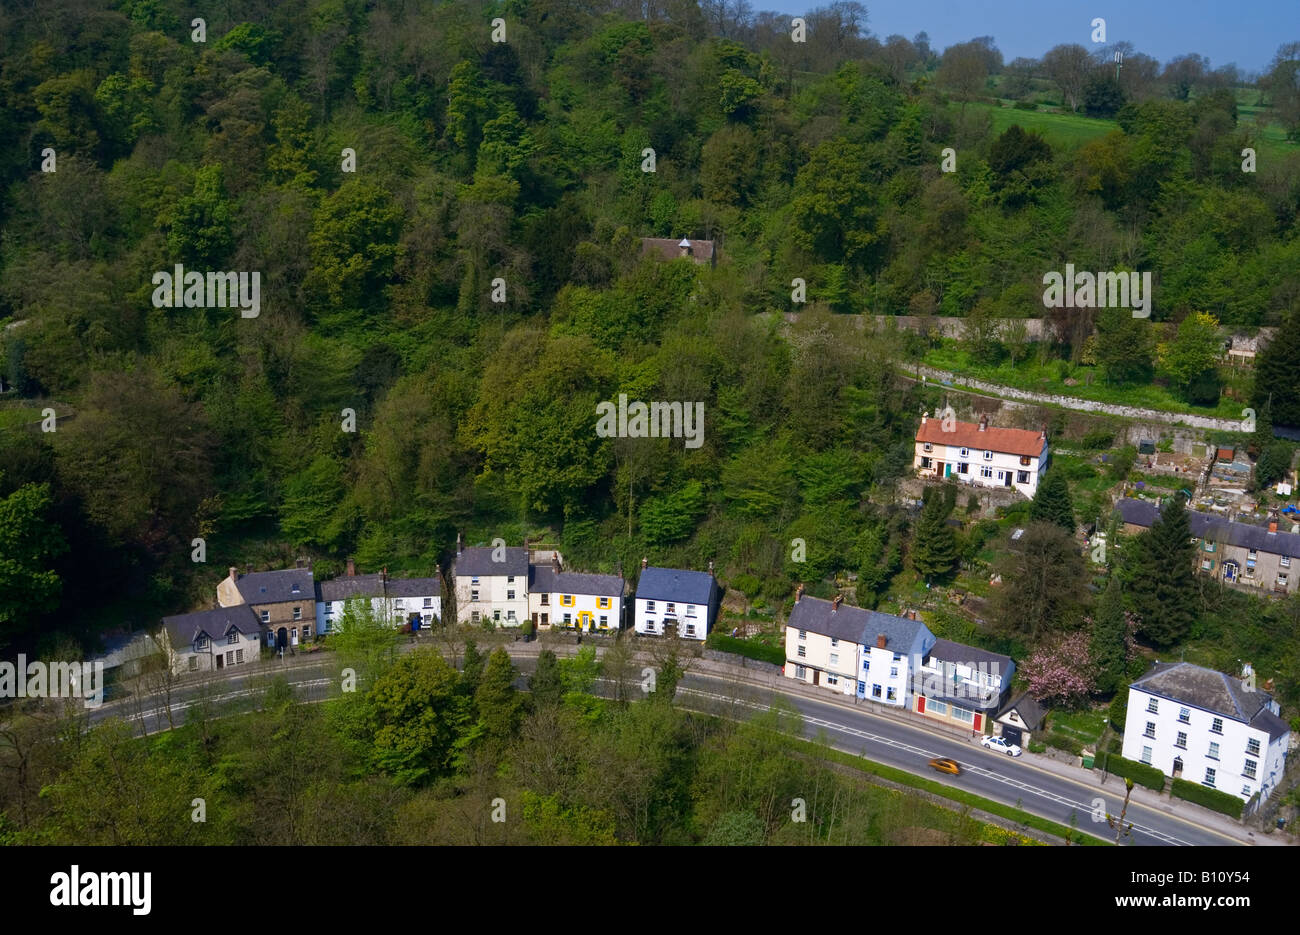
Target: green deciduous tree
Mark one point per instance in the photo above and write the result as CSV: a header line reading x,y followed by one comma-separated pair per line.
x,y
1043,582
29,540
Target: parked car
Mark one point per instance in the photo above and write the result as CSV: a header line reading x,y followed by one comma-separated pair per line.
x,y
946,765
1000,745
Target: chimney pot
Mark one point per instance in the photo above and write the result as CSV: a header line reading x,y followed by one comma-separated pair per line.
x,y
880,641
643,562
710,566
925,415
352,568
984,422
460,543
234,573
798,592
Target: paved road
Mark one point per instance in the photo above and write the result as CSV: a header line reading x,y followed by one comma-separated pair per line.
x,y
882,739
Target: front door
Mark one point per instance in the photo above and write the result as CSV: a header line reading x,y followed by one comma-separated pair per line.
x,y
817,676
584,620
281,638
219,660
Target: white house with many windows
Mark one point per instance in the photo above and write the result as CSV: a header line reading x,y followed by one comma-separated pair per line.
x,y
980,454
853,650
1204,726
674,601
208,640
491,584
408,603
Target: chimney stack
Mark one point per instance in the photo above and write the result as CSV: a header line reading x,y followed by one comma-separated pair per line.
x,y
798,592
555,562
880,641
248,568
460,543
710,568
234,573
297,562
1272,523
643,563
684,247
835,603
352,568
984,422
383,575
925,415
1042,433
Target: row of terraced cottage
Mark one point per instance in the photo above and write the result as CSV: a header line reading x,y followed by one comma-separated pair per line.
x,y
282,609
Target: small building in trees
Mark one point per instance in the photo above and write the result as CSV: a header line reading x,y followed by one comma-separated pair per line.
x,y
980,454
1020,719
699,251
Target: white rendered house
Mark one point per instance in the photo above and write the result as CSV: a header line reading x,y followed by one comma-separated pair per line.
x,y
675,601
976,453
1204,726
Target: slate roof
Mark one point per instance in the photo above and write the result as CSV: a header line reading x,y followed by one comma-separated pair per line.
x,y
541,577
855,624
1204,526
948,651
349,586
670,248
1206,689
968,435
414,587
184,629
478,561
674,584
275,587
574,582
1029,710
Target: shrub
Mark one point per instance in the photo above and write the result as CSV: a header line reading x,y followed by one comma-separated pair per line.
x,y
1140,773
1025,105
1064,742
1097,439
1036,747
749,585
1122,463
1213,799
751,649
1119,710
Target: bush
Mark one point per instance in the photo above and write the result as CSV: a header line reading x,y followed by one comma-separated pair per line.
x,y
1097,439
751,649
748,585
1122,463
1213,799
1036,747
1119,710
1064,742
1025,105
1140,773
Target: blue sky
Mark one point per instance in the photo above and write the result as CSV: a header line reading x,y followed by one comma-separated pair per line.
x,y
1246,32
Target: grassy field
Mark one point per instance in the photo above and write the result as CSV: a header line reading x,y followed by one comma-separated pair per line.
x,y
1068,131
1047,378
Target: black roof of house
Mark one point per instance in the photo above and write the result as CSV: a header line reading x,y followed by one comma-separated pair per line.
x,y
414,587
541,577
855,624
1029,710
275,587
350,586
576,582
675,584
1216,529
184,629
478,561
948,651
1206,689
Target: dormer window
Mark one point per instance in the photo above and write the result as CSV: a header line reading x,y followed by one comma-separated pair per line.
x,y
296,589
232,638
201,644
